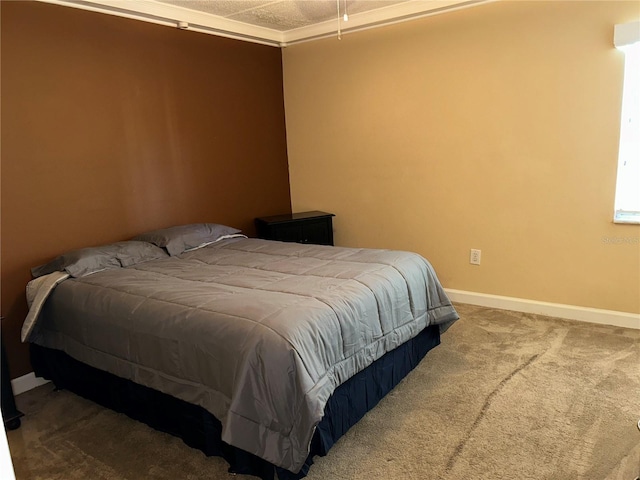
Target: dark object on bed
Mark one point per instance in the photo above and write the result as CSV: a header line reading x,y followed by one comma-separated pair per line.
x,y
200,429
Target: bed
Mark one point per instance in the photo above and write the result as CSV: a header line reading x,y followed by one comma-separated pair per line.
x,y
262,352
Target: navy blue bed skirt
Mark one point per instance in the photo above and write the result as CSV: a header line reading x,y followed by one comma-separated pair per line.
x,y
200,429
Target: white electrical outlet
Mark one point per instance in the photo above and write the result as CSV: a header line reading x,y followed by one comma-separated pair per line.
x,y
474,258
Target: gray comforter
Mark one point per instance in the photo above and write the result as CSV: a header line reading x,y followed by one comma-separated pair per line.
x,y
259,333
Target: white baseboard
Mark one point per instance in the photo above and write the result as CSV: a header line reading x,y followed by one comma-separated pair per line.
x,y
26,382
570,312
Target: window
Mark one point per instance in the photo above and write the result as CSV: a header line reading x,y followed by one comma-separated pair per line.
x,y
627,202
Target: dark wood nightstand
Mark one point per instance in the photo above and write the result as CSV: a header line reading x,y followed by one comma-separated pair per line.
x,y
305,227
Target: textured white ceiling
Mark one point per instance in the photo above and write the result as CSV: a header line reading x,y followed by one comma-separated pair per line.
x,y
281,15
272,22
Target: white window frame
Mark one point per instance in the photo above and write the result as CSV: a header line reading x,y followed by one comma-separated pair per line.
x,y
627,200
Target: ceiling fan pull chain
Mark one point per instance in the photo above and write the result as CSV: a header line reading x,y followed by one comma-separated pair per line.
x,y
339,30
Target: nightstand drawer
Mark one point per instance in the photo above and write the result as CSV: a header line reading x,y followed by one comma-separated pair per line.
x,y
306,227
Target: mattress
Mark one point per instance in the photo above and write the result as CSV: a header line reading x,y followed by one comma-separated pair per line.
x,y
259,333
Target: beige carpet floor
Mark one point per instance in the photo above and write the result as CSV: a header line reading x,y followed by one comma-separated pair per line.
x,y
506,396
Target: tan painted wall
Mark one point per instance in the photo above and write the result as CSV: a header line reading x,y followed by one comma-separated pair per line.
x,y
111,127
494,127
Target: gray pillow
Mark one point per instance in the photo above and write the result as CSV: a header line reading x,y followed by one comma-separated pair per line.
x,y
133,252
181,238
85,261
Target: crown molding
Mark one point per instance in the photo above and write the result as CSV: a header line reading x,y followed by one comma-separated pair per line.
x,y
171,15
397,13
